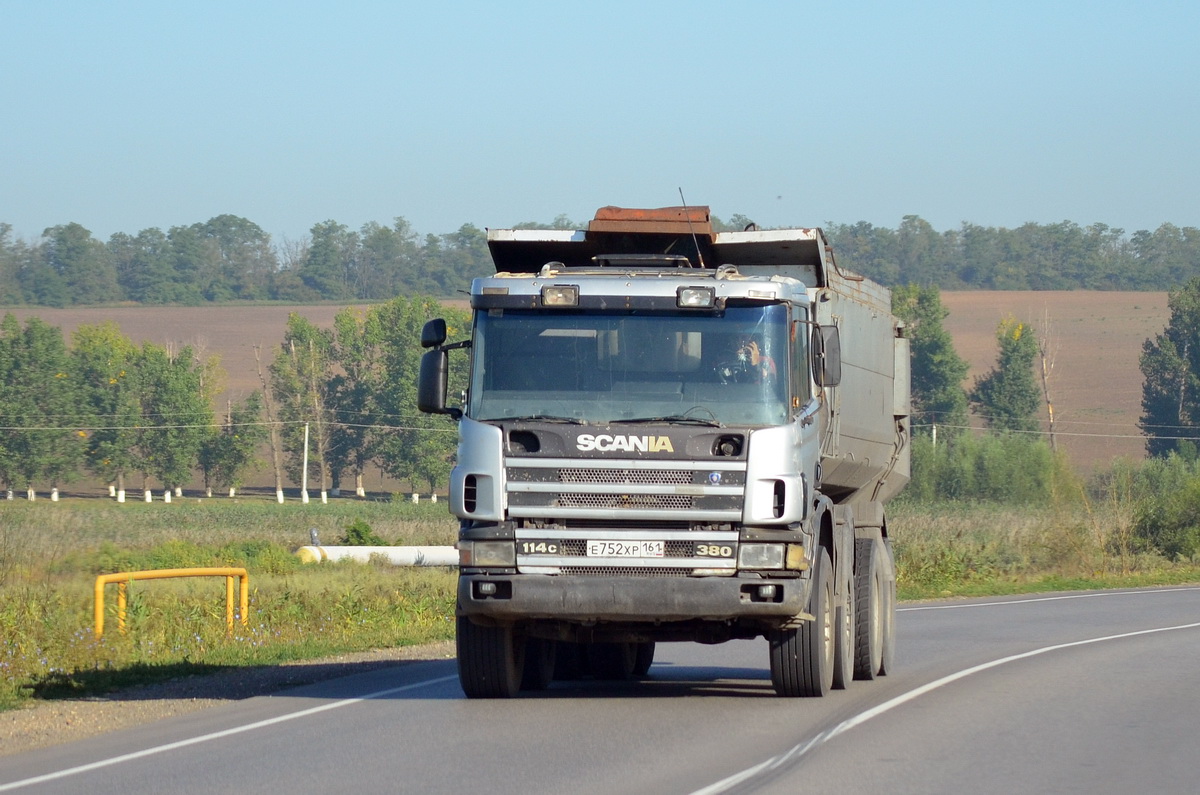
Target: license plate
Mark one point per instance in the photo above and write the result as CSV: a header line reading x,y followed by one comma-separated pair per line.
x,y
625,549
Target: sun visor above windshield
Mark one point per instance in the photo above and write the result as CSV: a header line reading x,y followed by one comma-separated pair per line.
x,y
672,231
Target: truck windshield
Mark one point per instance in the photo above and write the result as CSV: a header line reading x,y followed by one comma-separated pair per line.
x,y
605,367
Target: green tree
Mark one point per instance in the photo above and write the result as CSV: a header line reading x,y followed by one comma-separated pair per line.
x,y
176,413
1008,396
83,264
229,453
455,259
1170,365
242,258
145,267
330,267
387,260
192,265
938,371
106,362
352,394
43,427
416,447
12,254
300,382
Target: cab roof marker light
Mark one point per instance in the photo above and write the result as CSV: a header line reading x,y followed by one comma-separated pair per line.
x,y
560,295
695,297
760,293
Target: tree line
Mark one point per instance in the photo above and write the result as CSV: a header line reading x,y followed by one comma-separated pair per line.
x,y
229,258
339,399
1060,256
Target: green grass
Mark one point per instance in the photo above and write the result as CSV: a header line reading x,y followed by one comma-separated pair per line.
x,y
51,553
979,549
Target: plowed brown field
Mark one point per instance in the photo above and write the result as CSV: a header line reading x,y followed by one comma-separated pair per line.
x,y
1095,385
1096,337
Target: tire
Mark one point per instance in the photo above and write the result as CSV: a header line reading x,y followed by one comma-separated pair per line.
x,y
870,592
491,660
643,658
843,654
887,659
538,670
802,659
613,661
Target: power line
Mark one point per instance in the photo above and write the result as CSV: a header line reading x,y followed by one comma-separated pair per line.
x,y
279,423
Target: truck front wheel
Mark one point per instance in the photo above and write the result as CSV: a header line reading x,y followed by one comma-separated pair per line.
x,y
802,659
491,660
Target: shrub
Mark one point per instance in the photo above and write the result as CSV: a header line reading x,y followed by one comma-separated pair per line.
x,y
359,534
1171,523
1003,468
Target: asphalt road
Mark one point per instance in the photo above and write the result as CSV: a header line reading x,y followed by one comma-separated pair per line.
x,y
1096,692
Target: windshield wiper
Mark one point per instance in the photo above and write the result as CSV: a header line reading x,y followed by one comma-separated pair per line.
x,y
543,418
713,423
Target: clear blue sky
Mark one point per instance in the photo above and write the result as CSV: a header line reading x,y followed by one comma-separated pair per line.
x,y
128,115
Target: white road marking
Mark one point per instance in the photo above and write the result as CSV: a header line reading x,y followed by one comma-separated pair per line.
x,y
799,751
158,749
1140,592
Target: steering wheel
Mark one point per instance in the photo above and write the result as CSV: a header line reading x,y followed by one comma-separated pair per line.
x,y
735,371
741,371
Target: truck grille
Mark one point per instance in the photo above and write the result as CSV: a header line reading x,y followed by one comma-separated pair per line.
x,y
669,501
652,477
624,571
565,489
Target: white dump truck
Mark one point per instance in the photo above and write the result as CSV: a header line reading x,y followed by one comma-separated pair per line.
x,y
673,434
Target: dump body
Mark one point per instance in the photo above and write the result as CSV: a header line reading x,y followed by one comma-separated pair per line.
x,y
672,434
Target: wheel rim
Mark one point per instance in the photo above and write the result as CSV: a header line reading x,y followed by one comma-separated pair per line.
x,y
830,629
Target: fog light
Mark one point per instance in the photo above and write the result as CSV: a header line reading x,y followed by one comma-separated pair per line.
x,y
760,556
488,588
767,592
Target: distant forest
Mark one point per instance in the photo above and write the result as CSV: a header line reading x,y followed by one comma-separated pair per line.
x,y
229,258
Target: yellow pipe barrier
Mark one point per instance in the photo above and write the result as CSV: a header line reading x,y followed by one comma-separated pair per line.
x,y
125,577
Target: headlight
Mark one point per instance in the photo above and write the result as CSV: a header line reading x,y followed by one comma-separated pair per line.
x,y
760,556
695,297
487,553
560,295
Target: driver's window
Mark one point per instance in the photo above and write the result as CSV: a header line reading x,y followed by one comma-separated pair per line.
x,y
801,382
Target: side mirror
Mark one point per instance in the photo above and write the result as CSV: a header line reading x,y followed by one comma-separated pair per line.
x,y
431,387
433,333
827,355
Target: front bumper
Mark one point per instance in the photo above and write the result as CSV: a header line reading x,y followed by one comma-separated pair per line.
x,y
628,599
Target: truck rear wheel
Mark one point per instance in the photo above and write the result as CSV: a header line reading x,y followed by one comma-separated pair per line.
x,y
491,660
870,589
886,660
802,659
